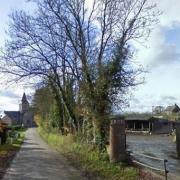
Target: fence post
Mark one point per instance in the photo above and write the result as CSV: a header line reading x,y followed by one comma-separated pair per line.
x,y
178,139
11,140
165,168
117,140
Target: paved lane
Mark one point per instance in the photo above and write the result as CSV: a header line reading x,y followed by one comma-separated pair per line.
x,y
36,160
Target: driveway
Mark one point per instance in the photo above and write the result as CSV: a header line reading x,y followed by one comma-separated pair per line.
x,y
160,146
36,160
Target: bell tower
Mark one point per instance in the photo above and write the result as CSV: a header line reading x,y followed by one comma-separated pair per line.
x,y
24,106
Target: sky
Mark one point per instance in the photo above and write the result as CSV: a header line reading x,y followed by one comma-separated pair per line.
x,y
160,55
10,95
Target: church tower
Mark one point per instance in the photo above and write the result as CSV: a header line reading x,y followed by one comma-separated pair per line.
x,y
24,106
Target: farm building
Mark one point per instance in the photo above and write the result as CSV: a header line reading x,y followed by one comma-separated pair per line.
x,y
148,123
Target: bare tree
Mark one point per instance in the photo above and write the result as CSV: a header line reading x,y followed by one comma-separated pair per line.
x,y
35,51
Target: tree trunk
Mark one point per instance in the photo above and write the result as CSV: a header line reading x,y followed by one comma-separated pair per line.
x,y
100,134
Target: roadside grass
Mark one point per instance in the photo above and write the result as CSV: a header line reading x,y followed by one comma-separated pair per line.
x,y
88,158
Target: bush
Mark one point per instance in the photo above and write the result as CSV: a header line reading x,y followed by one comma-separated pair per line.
x,y
3,137
18,128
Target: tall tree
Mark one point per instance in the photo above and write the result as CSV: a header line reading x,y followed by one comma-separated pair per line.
x,y
90,45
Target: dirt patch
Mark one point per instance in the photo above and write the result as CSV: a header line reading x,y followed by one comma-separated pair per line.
x,y
149,175
5,160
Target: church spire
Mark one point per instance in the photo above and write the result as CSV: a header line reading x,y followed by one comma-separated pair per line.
x,y
24,106
24,99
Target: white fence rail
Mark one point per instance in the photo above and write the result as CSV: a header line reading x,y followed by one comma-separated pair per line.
x,y
164,165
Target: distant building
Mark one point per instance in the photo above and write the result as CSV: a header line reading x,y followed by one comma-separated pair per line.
x,y
158,110
12,117
172,109
22,117
161,120
148,123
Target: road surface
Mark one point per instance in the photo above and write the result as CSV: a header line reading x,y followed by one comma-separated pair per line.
x,y
160,146
36,160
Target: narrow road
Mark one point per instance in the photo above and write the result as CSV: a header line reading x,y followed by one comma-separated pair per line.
x,y
36,160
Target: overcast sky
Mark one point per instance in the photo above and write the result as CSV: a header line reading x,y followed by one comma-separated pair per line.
x,y
160,55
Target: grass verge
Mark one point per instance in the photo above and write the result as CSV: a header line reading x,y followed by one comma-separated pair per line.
x,y
8,151
86,157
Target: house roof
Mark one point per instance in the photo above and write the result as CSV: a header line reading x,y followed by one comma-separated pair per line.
x,y
14,115
174,108
138,116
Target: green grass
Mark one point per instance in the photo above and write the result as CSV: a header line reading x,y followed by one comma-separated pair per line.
x,y
87,157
